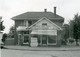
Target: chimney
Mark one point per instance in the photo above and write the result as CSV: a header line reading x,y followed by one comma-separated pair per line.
x,y
54,10
45,10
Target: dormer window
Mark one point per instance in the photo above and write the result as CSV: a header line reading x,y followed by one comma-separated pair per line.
x,y
44,24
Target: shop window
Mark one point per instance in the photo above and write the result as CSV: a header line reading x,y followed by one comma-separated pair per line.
x,y
51,39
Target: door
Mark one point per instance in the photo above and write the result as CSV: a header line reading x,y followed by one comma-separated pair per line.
x,y
44,39
25,39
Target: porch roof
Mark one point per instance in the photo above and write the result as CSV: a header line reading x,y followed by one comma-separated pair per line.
x,y
22,28
44,32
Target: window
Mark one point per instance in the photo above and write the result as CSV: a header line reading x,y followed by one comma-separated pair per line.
x,y
45,24
21,23
51,39
25,23
29,23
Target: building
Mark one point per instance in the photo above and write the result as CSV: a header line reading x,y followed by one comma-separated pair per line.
x,y
38,28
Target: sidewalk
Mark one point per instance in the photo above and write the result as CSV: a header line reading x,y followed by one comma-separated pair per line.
x,y
62,48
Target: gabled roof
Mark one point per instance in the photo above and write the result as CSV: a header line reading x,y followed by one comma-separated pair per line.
x,y
37,15
58,28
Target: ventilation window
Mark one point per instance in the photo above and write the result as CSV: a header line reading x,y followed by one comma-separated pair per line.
x,y
45,24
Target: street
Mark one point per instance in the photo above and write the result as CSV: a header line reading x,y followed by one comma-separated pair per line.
x,y
25,53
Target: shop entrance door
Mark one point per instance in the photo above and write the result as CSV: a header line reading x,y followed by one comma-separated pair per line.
x,y
44,39
26,39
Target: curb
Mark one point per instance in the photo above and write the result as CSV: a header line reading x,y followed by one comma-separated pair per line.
x,y
41,50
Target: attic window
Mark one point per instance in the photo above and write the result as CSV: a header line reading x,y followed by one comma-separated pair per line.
x,y
44,24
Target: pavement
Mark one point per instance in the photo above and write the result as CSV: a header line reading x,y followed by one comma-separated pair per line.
x,y
26,48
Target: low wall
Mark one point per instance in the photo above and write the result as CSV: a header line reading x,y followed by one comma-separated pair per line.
x,y
9,41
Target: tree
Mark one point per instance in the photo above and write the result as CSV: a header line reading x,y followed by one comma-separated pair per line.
x,y
4,37
11,32
1,26
1,29
71,25
65,33
76,28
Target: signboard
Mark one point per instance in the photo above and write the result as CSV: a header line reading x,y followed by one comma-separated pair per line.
x,y
45,28
44,32
34,42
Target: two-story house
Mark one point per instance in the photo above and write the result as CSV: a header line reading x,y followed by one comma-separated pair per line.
x,y
38,28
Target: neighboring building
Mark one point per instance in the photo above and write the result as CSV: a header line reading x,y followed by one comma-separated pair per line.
x,y
38,28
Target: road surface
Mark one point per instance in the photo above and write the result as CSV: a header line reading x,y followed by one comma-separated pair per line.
x,y
24,53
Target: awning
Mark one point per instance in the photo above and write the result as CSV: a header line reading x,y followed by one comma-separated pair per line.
x,y
44,32
22,28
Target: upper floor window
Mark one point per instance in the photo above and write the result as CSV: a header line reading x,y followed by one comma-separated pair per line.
x,y
25,23
29,23
21,23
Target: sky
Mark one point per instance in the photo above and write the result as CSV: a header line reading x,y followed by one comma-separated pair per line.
x,y
11,8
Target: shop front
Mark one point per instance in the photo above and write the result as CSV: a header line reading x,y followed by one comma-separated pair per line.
x,y
47,33
45,37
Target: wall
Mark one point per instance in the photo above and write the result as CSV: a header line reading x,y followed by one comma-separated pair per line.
x,y
9,41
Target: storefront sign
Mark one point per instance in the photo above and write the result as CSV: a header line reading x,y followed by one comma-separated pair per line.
x,y
44,32
44,28
34,42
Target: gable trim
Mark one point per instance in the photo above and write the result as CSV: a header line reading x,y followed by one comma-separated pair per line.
x,y
47,20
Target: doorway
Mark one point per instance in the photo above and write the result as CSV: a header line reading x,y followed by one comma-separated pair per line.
x,y
44,39
26,39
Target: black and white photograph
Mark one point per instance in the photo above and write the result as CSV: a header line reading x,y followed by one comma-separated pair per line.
x,y
39,28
